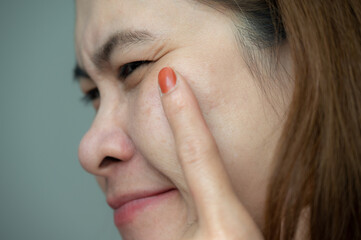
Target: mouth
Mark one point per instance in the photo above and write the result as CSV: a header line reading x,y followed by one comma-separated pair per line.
x,y
127,207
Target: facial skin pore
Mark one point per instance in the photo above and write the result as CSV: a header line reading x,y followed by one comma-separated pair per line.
x,y
130,147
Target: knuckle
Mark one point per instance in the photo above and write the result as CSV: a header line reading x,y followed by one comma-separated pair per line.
x,y
223,234
194,150
179,104
220,235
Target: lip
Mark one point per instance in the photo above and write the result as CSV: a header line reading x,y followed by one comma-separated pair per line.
x,y
126,207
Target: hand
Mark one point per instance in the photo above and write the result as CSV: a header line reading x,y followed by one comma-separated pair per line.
x,y
221,216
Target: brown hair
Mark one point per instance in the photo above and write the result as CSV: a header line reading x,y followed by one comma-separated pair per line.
x,y
318,162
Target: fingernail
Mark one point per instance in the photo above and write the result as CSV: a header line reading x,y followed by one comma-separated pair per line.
x,y
166,79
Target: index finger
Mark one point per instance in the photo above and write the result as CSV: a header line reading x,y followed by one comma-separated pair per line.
x,y
197,151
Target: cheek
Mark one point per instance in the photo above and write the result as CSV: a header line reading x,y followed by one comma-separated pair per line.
x,y
150,129
153,138
241,123
147,117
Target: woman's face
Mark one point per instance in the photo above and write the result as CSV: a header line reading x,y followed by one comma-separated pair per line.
x,y
130,147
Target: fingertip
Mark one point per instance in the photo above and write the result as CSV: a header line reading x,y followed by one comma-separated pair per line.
x,y
167,80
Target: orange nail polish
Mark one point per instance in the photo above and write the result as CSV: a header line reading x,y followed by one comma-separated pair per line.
x,y
166,79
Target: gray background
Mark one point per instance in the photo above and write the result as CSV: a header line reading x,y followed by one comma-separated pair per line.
x,y
44,192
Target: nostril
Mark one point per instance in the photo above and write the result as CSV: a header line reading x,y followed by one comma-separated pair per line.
x,y
108,161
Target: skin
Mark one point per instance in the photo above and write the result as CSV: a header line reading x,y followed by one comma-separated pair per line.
x,y
212,138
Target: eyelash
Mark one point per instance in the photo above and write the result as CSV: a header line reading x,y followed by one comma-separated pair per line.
x,y
123,73
129,68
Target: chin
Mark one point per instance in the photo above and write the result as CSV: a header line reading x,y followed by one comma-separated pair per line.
x,y
160,219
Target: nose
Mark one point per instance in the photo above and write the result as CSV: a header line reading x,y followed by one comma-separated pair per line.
x,y
105,146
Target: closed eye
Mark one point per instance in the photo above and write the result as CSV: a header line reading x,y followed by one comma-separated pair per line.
x,y
124,72
129,68
91,96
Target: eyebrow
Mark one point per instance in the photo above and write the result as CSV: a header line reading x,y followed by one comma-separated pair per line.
x,y
120,40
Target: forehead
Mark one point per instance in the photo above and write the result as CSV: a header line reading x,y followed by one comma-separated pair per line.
x,y
174,20
97,19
